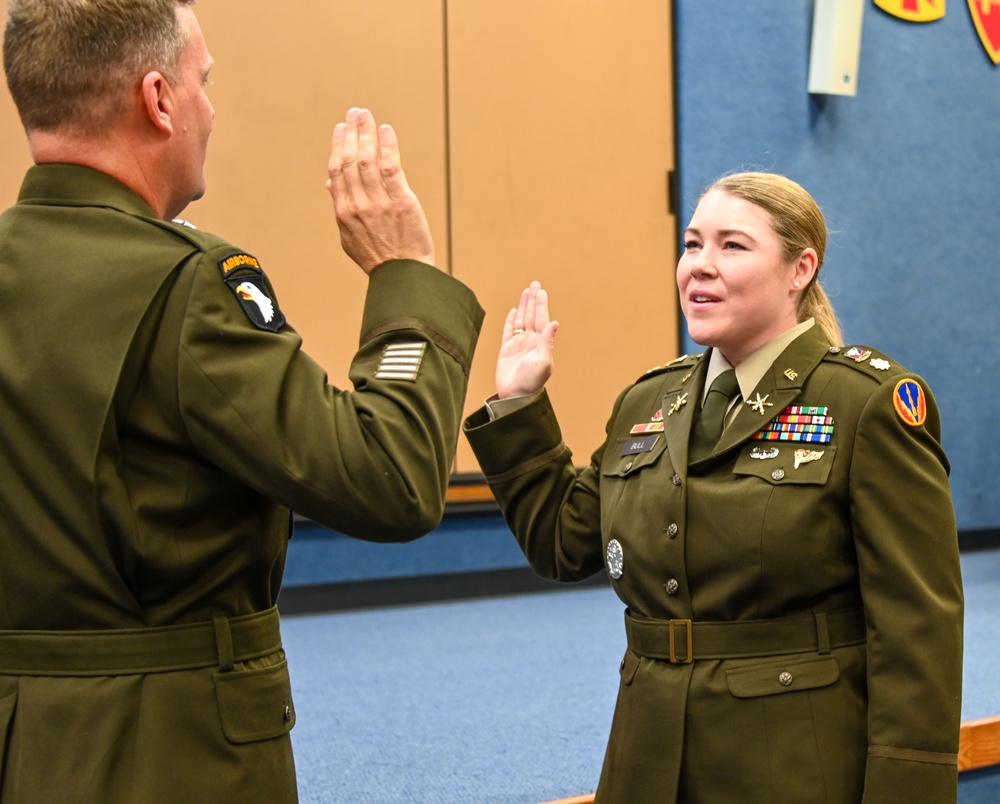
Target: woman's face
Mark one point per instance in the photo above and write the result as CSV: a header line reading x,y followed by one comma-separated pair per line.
x,y
737,291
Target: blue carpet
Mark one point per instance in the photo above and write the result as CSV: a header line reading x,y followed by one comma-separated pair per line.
x,y
503,700
506,700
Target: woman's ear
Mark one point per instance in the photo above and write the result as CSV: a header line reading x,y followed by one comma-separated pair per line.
x,y
157,101
805,268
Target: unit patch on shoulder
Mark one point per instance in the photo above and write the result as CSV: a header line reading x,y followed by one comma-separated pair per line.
x,y
242,272
237,260
910,403
401,361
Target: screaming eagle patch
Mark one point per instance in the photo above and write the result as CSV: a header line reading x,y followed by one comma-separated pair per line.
x,y
910,403
243,274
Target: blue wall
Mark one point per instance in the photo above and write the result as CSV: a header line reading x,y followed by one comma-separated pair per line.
x,y
907,174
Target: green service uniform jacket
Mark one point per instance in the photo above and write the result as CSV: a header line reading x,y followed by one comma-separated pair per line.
x,y
159,422
794,621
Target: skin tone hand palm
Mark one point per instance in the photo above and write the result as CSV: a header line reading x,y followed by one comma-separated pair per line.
x,y
525,361
379,216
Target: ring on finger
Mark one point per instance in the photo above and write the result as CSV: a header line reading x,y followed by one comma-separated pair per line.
x,y
518,331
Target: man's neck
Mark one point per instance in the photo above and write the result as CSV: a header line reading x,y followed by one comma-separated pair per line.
x,y
112,153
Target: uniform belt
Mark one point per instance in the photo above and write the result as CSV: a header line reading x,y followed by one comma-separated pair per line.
x,y
684,641
126,651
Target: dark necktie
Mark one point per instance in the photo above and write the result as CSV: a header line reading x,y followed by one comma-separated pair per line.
x,y
708,427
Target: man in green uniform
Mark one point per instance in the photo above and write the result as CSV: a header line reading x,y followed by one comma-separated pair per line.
x,y
160,420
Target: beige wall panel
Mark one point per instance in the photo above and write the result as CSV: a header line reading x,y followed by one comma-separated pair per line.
x,y
13,144
283,78
561,133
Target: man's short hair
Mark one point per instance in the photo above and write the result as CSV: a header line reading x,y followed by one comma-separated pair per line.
x,y
72,63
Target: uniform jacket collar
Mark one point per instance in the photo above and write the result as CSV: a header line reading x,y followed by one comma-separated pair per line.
x,y
79,186
780,386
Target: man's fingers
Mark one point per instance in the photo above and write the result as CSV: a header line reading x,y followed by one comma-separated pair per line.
x,y
335,168
391,168
368,157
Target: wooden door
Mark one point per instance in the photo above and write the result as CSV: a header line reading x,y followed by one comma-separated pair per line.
x,y
560,119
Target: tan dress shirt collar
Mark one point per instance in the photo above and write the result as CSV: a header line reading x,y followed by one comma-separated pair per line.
x,y
750,371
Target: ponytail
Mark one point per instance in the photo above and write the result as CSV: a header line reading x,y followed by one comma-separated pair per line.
x,y
814,303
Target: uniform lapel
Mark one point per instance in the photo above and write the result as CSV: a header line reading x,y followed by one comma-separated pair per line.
x,y
777,389
684,401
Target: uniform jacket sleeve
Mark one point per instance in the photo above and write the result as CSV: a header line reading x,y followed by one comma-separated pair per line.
x,y
906,541
372,462
553,511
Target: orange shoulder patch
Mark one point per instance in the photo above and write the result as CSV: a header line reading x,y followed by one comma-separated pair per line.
x,y
910,402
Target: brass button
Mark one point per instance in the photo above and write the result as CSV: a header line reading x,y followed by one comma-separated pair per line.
x,y
785,679
672,586
628,466
288,714
778,474
671,531
676,480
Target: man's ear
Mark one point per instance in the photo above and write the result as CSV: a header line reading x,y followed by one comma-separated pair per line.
x,y
157,99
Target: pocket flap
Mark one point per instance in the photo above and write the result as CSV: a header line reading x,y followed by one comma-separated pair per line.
x,y
628,667
255,704
620,459
777,462
774,679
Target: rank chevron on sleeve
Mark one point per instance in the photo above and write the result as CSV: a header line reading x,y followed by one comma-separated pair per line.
x,y
799,423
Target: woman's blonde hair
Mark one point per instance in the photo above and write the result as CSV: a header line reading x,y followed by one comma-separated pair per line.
x,y
799,224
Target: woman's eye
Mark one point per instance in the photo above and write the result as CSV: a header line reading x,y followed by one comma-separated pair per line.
x,y
691,244
733,246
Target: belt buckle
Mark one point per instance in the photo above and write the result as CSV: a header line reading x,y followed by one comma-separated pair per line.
x,y
671,624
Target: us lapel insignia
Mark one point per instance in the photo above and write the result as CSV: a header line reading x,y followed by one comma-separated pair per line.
x,y
790,373
680,402
909,401
806,456
759,404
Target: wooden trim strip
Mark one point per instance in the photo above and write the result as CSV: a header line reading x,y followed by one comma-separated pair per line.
x,y
979,744
469,492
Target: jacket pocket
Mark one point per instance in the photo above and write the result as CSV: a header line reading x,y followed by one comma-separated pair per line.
x,y
620,461
628,667
7,706
779,678
777,463
255,704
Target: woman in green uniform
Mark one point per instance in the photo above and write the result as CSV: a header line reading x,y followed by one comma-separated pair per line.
x,y
775,515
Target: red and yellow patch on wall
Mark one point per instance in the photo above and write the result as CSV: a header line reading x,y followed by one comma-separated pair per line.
x,y
986,16
913,10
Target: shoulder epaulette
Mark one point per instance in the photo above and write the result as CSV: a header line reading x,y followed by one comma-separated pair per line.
x,y
866,360
202,240
684,361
